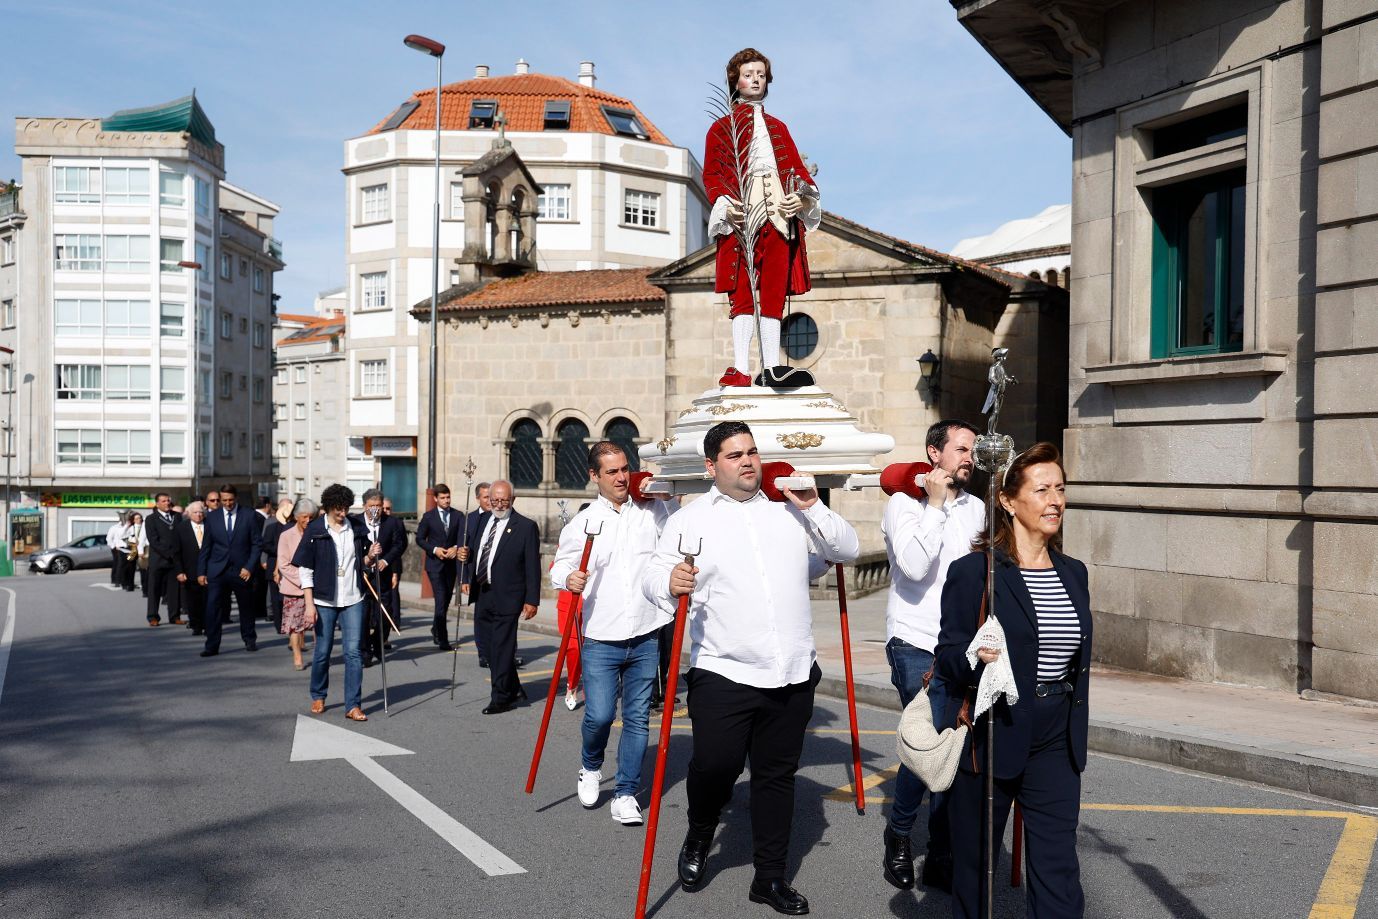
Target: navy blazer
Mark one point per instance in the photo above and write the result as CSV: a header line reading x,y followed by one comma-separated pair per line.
x,y
162,543
229,552
516,564
188,558
430,535
392,536
966,582
317,552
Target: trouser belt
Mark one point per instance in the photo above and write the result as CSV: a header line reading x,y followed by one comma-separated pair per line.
x,y
1056,688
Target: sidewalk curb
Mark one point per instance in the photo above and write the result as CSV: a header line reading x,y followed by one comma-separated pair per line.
x,y
1345,783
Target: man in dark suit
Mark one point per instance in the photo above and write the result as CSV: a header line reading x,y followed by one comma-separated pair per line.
x,y
505,582
438,536
233,541
189,537
395,581
212,504
481,498
391,536
162,560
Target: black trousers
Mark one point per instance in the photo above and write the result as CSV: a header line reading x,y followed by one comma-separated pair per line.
x,y
258,592
1049,789
194,602
116,556
274,605
496,629
666,638
162,581
376,626
128,569
218,589
733,723
443,591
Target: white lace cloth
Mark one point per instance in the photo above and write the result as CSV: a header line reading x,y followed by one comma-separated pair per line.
x,y
998,678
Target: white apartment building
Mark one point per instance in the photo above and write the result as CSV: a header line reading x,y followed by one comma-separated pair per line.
x,y
135,372
612,192
309,404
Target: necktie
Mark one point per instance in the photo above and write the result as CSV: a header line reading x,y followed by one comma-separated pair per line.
x,y
481,573
197,528
445,523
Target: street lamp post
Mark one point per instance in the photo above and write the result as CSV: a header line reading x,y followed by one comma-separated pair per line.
x,y
8,535
194,342
436,50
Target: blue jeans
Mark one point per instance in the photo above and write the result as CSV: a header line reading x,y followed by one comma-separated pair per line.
x,y
908,664
351,620
610,667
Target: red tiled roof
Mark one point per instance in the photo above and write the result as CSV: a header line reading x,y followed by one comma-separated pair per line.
x,y
314,329
561,288
522,98
299,317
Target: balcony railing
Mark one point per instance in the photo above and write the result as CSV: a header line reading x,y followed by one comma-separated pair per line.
x,y
9,203
273,247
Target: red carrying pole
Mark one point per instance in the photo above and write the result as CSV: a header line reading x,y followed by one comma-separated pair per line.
x,y
658,785
570,623
851,691
1017,862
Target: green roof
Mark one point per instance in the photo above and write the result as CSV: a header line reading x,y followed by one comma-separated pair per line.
x,y
181,116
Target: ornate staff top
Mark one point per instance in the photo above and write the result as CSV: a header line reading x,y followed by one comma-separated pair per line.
x,y
993,450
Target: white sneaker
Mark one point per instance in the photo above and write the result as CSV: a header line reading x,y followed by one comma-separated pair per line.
x,y
588,787
572,699
626,811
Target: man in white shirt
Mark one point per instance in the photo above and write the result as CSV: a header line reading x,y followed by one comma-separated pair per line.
x,y
753,665
922,538
620,651
114,542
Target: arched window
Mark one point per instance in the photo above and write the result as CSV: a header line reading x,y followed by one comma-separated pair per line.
x,y
800,336
524,454
623,433
572,454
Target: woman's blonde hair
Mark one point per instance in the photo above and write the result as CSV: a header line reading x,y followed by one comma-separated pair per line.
x,y
1012,481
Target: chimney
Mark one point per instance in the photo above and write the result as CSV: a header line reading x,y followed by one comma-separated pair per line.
x,y
586,77
481,72
523,68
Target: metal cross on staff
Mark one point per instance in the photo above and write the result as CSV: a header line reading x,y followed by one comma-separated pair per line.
x,y
993,453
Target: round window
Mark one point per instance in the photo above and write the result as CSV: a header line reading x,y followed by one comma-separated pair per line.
x,y
799,336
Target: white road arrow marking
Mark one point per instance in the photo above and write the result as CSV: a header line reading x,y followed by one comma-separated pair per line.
x,y
316,740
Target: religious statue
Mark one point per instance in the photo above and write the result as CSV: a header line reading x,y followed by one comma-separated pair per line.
x,y
764,200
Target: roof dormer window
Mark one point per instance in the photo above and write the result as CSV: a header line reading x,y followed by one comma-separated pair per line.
x,y
625,122
481,113
557,115
403,111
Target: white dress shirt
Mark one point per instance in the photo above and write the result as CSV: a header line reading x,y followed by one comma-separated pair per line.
x,y
347,591
922,541
749,615
614,607
501,525
114,535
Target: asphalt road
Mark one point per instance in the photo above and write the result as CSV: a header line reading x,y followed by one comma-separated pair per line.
x,y
139,779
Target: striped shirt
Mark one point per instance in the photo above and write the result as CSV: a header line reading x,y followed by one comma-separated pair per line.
x,y
1059,629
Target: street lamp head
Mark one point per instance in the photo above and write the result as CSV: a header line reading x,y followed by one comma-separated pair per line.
x,y
424,45
196,266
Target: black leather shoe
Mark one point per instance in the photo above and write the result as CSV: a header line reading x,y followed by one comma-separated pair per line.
x,y
693,858
780,897
937,872
445,646
519,661
209,653
369,662
251,648
483,662
498,708
899,860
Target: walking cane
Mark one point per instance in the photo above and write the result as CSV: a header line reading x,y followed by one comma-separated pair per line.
x,y
667,718
572,622
469,470
851,692
993,453
382,653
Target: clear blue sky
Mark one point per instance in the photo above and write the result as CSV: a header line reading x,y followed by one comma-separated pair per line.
x,y
915,129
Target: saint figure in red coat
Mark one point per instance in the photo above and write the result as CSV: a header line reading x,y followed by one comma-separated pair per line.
x,y
764,200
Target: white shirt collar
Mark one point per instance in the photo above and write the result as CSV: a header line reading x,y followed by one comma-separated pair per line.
x,y
608,505
714,495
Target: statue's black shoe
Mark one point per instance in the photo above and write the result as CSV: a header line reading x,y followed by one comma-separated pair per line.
x,y
784,378
899,860
693,860
780,897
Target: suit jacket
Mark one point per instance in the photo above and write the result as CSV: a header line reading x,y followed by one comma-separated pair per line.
x,y
399,565
231,551
162,540
317,552
516,562
271,531
188,560
966,582
466,569
430,535
720,178
392,536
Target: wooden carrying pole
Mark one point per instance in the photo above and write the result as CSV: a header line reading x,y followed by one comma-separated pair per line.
x,y
851,691
663,747
572,622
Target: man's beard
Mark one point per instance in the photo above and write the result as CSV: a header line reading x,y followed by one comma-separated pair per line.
x,y
961,478
502,514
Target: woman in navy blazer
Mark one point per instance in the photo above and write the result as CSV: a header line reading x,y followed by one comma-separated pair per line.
x,y
332,559
1043,603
